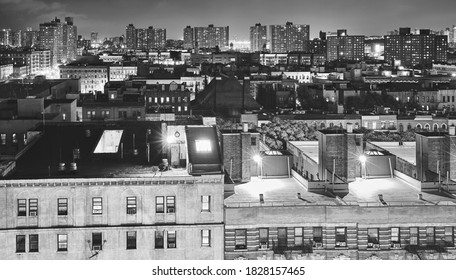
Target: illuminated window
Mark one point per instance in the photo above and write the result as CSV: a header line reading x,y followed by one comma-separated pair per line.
x,y
298,236
131,240
430,236
33,207
170,204
205,203
97,205
62,242
22,207
62,206
159,204
3,138
205,238
413,236
395,236
131,205
203,145
449,236
171,239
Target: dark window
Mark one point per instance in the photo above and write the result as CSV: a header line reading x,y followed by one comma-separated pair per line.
x,y
372,237
395,237
205,238
282,238
298,236
170,204
62,206
131,240
253,141
341,237
205,203
159,242
430,236
20,243
159,204
131,205
62,242
171,238
241,239
449,237
97,206
413,236
317,235
33,243
264,238
33,207
97,241
22,207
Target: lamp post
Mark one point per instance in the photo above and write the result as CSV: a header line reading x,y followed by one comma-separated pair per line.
x,y
363,160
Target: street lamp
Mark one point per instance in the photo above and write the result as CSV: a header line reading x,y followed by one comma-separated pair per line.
x,y
363,159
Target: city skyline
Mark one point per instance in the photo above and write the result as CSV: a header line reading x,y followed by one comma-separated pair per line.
x,y
109,18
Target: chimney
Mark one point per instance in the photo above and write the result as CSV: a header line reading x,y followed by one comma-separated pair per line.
x,y
349,128
261,198
420,196
452,130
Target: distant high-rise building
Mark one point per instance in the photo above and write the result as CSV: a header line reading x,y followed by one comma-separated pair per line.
x,y
16,38
130,36
29,37
6,37
412,49
145,38
94,37
289,37
189,38
70,34
207,37
258,38
345,47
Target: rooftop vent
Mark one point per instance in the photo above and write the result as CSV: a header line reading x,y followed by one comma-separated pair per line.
x,y
261,198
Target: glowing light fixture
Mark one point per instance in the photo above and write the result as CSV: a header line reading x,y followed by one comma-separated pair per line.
x,y
362,159
256,158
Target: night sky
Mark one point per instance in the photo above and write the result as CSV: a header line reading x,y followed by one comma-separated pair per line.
x,y
109,17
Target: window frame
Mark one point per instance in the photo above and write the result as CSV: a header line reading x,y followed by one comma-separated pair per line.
x,y
97,205
62,245
170,204
20,243
240,239
430,236
340,237
282,241
315,237
62,205
205,238
171,239
33,243
131,240
264,240
97,237
373,237
205,205
415,236
449,238
159,239
132,205
395,238
33,207
298,236
22,207
159,206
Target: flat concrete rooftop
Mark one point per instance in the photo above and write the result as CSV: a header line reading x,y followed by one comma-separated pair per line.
x,y
362,192
406,151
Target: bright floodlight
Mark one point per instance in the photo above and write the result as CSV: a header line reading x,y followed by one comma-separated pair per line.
x,y
256,158
362,159
453,74
170,139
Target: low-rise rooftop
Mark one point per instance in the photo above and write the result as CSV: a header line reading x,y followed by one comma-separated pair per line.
x,y
404,150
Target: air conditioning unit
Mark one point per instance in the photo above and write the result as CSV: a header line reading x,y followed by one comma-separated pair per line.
x,y
264,246
341,244
33,214
376,246
318,245
96,248
396,246
370,245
